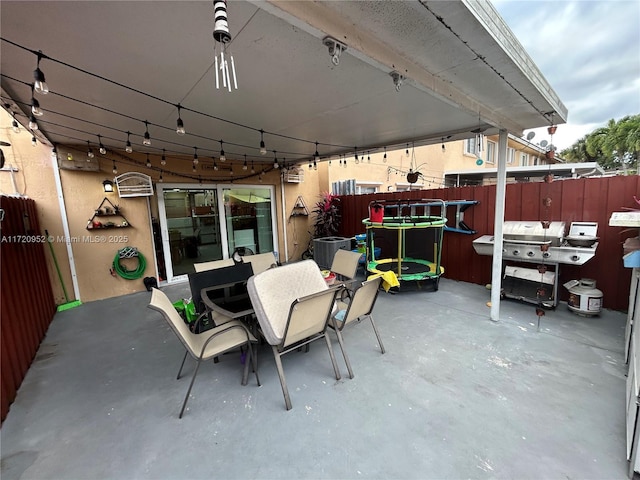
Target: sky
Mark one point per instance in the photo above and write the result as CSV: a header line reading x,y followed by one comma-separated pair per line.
x,y
589,52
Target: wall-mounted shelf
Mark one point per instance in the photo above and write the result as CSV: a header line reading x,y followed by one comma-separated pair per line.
x,y
299,208
107,209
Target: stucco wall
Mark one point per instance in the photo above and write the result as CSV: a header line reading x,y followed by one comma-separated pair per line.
x,y
35,179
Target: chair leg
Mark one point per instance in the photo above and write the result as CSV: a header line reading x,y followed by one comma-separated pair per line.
x,y
344,352
182,364
254,362
193,379
245,370
283,382
373,324
333,357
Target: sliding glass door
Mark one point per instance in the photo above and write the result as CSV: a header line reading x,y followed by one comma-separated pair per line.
x,y
208,222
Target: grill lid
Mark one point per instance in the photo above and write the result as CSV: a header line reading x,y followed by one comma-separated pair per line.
x,y
534,232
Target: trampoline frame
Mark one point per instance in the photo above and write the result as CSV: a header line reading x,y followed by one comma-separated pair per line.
x,y
402,223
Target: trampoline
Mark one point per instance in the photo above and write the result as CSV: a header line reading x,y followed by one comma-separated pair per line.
x,y
405,238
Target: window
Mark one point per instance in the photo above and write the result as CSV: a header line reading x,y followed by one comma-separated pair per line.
x,y
362,189
491,152
524,159
511,155
470,146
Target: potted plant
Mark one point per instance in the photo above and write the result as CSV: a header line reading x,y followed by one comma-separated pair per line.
x,y
327,214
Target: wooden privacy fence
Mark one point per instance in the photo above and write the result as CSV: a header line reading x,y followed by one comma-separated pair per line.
x,y
27,304
590,199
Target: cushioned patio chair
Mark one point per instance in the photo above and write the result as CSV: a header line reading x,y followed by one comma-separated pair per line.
x,y
359,308
293,305
203,266
215,342
261,261
345,266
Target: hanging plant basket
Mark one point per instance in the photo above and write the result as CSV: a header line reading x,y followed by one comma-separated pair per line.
x,y
550,154
552,129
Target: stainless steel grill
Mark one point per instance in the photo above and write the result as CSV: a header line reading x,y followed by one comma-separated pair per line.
x,y
531,242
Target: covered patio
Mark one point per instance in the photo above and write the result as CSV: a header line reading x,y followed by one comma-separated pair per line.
x,y
455,396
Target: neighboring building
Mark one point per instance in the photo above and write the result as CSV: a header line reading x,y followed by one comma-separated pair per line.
x,y
465,162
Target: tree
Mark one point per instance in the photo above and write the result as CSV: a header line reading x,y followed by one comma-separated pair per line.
x,y
617,145
578,152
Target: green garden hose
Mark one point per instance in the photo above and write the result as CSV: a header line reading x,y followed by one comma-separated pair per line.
x,y
129,252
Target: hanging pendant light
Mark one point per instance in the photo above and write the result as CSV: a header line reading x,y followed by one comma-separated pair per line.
x,y
147,138
33,125
263,148
103,150
163,159
275,160
195,156
128,148
222,156
40,85
35,105
179,124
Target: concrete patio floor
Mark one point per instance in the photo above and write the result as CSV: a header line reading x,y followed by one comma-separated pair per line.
x,y
455,396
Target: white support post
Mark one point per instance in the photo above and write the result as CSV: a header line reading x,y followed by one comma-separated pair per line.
x,y
496,272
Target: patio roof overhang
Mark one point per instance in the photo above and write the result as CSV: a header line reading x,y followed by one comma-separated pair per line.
x,y
464,70
523,173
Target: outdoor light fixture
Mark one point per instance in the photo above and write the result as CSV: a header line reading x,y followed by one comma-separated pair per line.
x,y
397,79
33,125
40,85
222,157
108,186
263,149
335,49
179,124
147,138
128,148
35,105
103,150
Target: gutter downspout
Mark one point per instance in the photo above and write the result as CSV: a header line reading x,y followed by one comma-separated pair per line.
x,y
65,229
496,271
284,220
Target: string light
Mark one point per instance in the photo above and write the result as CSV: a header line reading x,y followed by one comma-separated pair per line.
x,y
35,105
384,158
147,138
231,169
103,150
115,169
148,161
368,157
179,124
163,160
356,154
14,124
34,142
244,167
215,165
275,160
195,156
253,170
222,156
90,153
316,155
54,152
263,148
128,148
315,165
160,179
40,85
33,125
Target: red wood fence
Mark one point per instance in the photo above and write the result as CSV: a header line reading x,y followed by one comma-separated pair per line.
x,y
27,304
592,199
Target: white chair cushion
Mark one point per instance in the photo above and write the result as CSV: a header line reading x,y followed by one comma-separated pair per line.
x,y
273,291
